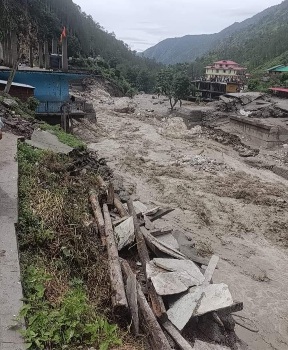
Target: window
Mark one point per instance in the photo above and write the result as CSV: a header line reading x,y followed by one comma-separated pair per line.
x,y
217,70
224,71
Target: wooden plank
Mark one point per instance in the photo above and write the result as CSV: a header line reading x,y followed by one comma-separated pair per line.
x,y
148,320
141,245
157,303
176,336
210,269
152,211
131,292
96,208
119,300
124,233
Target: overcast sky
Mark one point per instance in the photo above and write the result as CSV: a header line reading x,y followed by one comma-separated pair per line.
x,y
143,23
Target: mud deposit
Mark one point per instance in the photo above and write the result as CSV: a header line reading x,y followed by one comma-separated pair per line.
x,y
226,206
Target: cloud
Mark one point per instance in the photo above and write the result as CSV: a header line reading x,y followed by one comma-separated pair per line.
x,y
144,23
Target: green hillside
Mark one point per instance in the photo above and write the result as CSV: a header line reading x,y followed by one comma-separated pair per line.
x,y
260,45
39,20
251,42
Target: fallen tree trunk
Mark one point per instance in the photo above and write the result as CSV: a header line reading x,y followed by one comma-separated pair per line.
x,y
155,334
98,216
119,206
119,300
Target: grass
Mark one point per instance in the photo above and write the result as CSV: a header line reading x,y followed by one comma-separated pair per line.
x,y
64,270
68,139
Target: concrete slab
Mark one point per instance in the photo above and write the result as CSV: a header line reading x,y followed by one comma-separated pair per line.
x,y
10,285
47,141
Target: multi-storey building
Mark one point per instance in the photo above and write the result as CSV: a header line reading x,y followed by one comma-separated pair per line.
x,y
225,71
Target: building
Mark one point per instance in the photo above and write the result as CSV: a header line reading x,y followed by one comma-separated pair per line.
x,y
51,88
21,91
278,69
226,71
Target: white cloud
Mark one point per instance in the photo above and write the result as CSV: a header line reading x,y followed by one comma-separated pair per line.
x,y
143,23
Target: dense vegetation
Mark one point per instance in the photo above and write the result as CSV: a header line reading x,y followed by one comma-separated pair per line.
x,y
39,20
189,47
260,45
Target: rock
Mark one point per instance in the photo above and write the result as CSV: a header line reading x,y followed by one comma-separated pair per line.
x,y
45,140
124,233
9,102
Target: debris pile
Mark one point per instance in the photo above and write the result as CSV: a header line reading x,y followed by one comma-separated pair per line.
x,y
201,162
252,104
160,289
176,128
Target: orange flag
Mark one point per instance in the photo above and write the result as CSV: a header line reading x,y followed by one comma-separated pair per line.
x,y
63,34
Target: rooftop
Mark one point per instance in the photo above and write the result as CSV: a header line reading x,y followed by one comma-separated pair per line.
x,y
279,89
4,82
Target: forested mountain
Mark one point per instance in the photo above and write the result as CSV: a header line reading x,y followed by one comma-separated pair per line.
x,y
39,20
261,45
189,47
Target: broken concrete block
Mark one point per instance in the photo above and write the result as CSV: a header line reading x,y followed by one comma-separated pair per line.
x,y
170,283
175,265
47,141
198,301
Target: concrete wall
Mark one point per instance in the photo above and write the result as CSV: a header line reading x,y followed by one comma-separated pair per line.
x,y
264,135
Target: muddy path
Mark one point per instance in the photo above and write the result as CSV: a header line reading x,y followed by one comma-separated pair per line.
x,y
225,206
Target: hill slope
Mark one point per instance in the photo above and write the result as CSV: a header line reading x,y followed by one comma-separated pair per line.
x,y
189,47
259,45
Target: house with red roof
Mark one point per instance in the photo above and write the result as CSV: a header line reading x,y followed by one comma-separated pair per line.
x,y
226,71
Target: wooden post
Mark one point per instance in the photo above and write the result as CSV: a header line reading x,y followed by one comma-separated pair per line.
x,y
119,300
54,46
98,215
141,245
46,55
64,54
40,53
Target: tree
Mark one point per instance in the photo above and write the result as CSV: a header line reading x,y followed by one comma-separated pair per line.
x,y
176,86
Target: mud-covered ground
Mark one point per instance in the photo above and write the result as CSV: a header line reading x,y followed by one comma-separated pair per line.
x,y
226,206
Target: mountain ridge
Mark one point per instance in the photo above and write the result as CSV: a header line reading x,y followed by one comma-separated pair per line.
x,y
189,47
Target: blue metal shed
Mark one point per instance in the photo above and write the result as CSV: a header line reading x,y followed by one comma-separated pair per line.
x,y
51,88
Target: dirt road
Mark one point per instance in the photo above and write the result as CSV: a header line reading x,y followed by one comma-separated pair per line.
x,y
225,206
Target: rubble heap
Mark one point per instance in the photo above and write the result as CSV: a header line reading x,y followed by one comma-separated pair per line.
x,y
167,295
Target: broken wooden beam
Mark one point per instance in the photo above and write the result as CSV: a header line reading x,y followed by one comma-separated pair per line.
x,y
96,208
148,320
131,292
119,206
141,245
119,300
157,303
176,336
